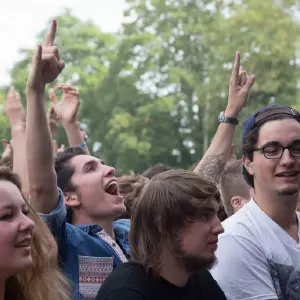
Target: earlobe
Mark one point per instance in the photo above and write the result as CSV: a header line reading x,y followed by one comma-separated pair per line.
x,y
236,202
248,165
71,199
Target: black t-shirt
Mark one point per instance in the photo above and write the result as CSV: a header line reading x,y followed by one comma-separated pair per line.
x,y
130,281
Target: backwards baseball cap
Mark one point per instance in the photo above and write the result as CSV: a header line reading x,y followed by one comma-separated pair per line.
x,y
257,118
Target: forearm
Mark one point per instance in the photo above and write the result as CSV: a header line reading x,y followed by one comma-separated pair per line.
x,y
19,156
75,138
41,173
213,162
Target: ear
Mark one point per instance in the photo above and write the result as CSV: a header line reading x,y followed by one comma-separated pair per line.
x,y
236,202
71,199
247,164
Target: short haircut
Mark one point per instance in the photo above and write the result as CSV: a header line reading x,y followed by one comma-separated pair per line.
x,y
232,184
64,172
250,141
154,170
130,188
166,204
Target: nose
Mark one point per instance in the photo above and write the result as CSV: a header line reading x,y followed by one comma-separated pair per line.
x,y
27,224
287,159
217,227
110,171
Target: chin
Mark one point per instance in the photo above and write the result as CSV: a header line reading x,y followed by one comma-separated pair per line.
x,y
288,191
23,264
119,211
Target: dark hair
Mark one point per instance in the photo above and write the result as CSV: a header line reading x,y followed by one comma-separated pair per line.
x,y
250,140
64,172
164,206
156,169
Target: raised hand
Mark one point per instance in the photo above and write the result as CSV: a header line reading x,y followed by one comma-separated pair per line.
x,y
14,109
66,109
239,86
46,63
52,120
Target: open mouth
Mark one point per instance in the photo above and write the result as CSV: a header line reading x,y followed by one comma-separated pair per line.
x,y
112,188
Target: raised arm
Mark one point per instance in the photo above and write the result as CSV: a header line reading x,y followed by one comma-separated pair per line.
x,y
66,111
15,113
46,66
212,164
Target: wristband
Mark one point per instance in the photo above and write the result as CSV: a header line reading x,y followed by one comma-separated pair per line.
x,y
83,145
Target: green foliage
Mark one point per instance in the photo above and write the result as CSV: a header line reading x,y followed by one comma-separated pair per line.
x,y
153,93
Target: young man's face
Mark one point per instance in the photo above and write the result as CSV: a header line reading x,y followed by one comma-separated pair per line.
x,y
198,241
280,176
96,188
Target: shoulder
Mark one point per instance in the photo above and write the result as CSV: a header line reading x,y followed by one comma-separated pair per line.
x,y
126,277
208,285
243,223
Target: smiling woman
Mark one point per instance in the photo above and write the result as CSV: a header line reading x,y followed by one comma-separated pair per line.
x,y
28,261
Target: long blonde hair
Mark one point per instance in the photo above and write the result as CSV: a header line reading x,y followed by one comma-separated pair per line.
x,y
44,281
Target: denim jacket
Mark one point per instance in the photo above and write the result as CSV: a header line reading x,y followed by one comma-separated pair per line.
x,y
86,253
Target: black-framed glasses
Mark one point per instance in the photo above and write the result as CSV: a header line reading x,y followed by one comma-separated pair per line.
x,y
275,151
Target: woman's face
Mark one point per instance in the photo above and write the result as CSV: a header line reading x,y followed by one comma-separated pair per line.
x,y
16,230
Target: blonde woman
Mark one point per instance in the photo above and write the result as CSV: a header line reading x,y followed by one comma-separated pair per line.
x,y
28,260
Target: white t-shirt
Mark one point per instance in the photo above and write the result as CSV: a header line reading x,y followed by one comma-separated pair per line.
x,y
257,259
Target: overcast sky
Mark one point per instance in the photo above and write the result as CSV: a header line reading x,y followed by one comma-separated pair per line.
x,y
22,20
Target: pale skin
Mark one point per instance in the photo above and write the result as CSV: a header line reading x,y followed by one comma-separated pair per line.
x,y
270,191
212,164
66,111
16,115
46,66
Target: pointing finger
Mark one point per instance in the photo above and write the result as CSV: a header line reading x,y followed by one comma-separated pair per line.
x,y
51,35
235,70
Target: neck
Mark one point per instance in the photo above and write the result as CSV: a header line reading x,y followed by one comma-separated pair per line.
x,y
106,224
171,271
280,208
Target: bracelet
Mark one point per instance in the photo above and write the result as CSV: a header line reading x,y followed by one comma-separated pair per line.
x,y
83,145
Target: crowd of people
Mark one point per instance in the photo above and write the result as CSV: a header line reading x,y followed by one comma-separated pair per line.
x,y
70,229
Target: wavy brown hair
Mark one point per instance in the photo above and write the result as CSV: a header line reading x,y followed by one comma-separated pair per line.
x,y
44,281
167,203
130,188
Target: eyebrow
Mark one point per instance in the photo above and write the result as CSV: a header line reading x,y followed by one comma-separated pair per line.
x,y
12,206
275,143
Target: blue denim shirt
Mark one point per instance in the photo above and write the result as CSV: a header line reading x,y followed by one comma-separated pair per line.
x,y
85,255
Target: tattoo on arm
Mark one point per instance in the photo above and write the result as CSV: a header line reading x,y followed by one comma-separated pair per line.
x,y
212,167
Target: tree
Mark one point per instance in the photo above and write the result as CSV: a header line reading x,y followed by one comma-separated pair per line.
x,y
153,93
195,42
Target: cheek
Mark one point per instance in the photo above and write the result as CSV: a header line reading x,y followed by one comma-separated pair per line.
x,y
263,168
195,240
8,239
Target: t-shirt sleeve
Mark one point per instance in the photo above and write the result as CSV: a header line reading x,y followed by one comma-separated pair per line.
x,y
242,270
56,220
121,294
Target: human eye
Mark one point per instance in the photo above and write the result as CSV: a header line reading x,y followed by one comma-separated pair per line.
x,y
295,149
89,169
6,216
272,150
25,211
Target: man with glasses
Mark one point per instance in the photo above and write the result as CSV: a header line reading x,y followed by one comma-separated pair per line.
x,y
259,253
